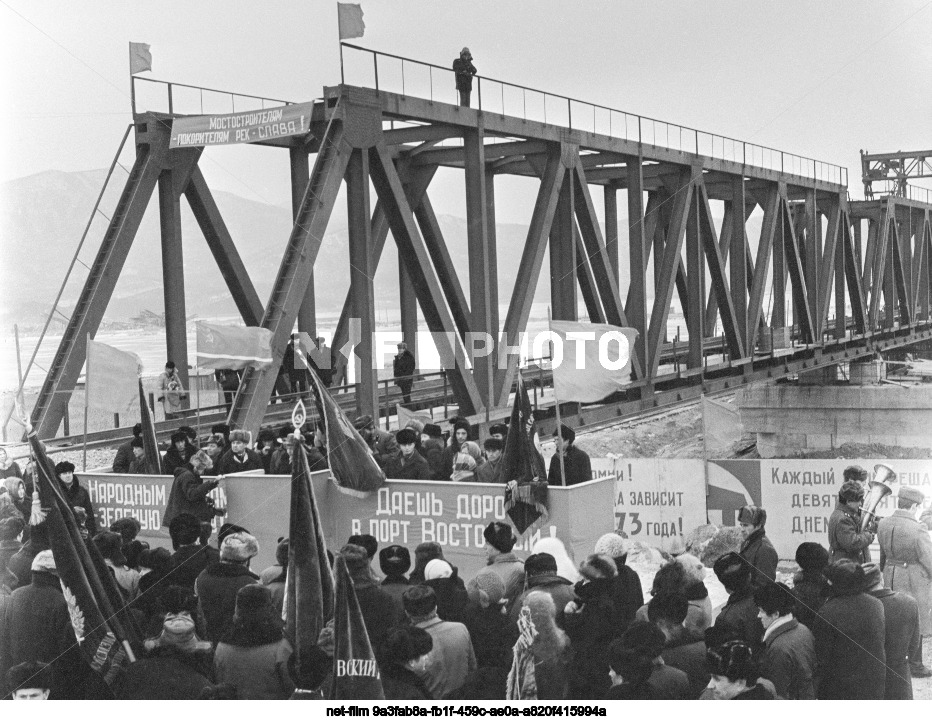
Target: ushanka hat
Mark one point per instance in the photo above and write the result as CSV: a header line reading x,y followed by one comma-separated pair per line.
x,y
239,547
394,560
500,536
912,495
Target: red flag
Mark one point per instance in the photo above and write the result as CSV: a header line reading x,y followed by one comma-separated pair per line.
x,y
309,593
523,463
150,443
355,670
94,602
348,455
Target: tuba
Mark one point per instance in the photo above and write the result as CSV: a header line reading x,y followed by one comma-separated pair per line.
x,y
879,488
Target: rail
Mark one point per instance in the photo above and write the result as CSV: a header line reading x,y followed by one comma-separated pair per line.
x,y
212,93
406,76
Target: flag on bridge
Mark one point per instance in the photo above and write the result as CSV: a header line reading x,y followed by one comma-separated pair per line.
x,y
522,462
98,613
405,416
351,463
110,378
351,22
140,58
309,591
596,360
150,442
233,347
355,669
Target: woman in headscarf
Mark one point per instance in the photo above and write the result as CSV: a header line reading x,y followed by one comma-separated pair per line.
x,y
466,461
8,467
253,655
449,589
17,490
541,656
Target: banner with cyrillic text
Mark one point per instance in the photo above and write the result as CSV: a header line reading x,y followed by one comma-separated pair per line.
x,y
252,126
656,499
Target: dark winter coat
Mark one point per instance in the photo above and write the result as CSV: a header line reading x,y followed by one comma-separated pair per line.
x,y
259,672
810,590
760,554
668,683
758,692
20,563
906,561
849,635
37,627
280,464
402,684
901,632
189,495
188,562
432,450
845,539
216,588
385,448
578,468
78,496
395,586
627,594
490,472
452,597
446,461
229,463
403,367
414,468
492,640
380,610
123,457
166,674
173,459
789,661
591,631
8,549
740,613
464,70
689,656
559,589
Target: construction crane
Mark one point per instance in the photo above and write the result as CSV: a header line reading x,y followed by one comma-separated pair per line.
x,y
894,171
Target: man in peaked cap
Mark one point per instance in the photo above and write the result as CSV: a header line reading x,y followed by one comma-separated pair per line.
x,y
575,461
906,562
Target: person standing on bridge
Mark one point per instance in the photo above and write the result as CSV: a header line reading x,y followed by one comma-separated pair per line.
x,y
464,70
172,391
403,368
576,461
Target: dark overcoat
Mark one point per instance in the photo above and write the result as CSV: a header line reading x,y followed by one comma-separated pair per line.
x,y
849,633
901,627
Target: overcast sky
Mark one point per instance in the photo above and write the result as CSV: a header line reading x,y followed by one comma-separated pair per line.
x,y
821,79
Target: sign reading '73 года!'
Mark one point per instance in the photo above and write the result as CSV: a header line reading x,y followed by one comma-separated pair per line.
x,y
253,126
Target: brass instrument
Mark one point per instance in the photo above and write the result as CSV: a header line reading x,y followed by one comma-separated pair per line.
x,y
880,487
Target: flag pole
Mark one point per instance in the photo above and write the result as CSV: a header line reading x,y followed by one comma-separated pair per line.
x,y
197,396
556,401
340,45
87,376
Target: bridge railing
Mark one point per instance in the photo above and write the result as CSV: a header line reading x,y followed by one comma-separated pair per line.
x,y
405,76
180,99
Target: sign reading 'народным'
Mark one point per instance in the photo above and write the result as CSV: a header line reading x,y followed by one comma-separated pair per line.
x,y
253,126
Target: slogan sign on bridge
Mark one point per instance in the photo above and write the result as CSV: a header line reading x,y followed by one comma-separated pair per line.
x,y
253,126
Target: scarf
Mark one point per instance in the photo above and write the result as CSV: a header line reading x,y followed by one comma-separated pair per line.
x,y
522,683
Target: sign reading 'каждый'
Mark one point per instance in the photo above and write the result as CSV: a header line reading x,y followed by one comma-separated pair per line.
x,y
250,127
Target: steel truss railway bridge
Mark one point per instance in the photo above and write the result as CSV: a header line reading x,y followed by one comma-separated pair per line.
x,y
840,279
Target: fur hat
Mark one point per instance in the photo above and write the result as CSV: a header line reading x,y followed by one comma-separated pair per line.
x,y
395,560
433,430
239,435
228,529
493,444
64,467
845,577
670,607
872,575
355,556
565,432
30,674
369,543
11,527
252,600
488,588
911,495
177,630
461,423
406,643
362,422
540,564
137,443
755,515
406,436
811,556
281,552
415,425
855,473
419,601
215,439
645,638
44,562
110,546
238,547
611,545
850,491
775,598
437,568
732,570
128,528
184,529
179,436
598,566
498,429
500,536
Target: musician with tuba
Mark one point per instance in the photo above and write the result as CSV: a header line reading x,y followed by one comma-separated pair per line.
x,y
906,561
846,537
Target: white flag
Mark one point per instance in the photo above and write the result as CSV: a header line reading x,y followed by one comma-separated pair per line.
x,y
590,360
111,380
140,59
351,23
